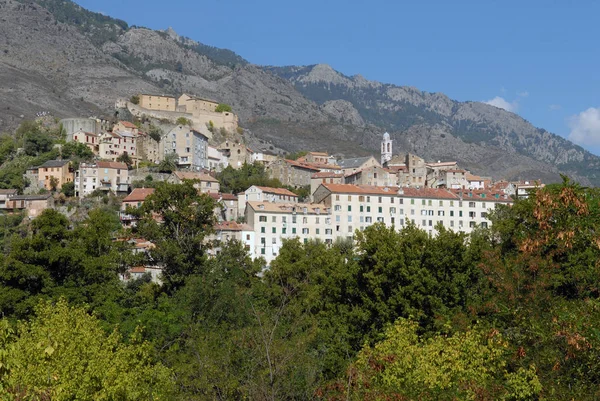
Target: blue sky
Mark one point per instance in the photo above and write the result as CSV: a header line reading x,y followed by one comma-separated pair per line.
x,y
539,59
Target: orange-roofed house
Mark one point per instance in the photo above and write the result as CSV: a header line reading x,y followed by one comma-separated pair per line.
x,y
325,177
230,231
134,200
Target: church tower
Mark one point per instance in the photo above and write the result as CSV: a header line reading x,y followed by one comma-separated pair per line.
x,y
386,149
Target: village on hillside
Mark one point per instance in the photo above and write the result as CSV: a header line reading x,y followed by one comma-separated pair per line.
x,y
320,197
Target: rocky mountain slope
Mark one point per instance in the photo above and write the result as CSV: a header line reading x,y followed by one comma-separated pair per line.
x,y
56,56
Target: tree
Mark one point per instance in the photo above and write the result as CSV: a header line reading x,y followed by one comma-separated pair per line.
x,y
185,218
155,133
183,121
53,183
235,181
222,108
68,189
135,99
76,150
65,354
466,366
125,158
169,163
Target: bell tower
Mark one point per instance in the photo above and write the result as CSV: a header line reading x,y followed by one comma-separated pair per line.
x,y
386,149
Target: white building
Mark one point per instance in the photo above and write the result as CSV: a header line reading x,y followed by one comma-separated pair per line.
x,y
103,175
274,222
268,194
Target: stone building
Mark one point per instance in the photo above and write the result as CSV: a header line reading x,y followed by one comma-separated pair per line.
x,y
191,147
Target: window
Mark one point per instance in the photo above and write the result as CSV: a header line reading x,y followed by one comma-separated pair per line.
x,y
293,219
483,205
361,208
412,201
368,199
284,230
262,218
412,212
337,229
471,204
337,208
472,224
328,231
451,213
424,223
262,251
317,220
472,214
484,215
380,219
284,219
337,197
263,240
401,201
274,219
441,203
349,198
368,209
362,219
451,223
430,213
430,223
423,202
274,230
273,240
380,199
379,209
451,203
392,210
440,212
247,237
460,213
262,230
293,230
318,231
361,198
349,208
349,219
349,229
305,220
305,231
401,222
484,224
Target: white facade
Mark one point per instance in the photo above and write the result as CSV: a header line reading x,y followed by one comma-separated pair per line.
x,y
386,149
268,194
274,222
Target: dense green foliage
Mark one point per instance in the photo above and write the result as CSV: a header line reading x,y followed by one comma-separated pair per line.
x,y
222,108
509,312
238,180
183,121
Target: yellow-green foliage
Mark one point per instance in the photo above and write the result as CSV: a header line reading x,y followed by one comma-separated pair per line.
x,y
64,354
464,366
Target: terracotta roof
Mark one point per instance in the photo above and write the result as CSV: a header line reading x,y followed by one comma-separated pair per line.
x,y
8,191
322,166
483,195
138,195
277,191
406,192
106,164
311,208
441,164
327,174
223,196
191,175
301,165
228,226
137,269
127,124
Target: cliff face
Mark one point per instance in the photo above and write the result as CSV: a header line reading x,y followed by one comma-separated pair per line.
x,y
56,56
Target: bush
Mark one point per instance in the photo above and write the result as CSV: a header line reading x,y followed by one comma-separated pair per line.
x,y
222,108
183,121
135,99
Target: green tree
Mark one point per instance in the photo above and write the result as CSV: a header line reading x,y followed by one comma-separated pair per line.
x,y
183,121
135,99
169,163
125,158
222,108
65,354
53,183
185,218
237,180
68,188
466,366
76,150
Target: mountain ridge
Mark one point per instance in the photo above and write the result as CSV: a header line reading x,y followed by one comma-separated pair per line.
x,y
76,62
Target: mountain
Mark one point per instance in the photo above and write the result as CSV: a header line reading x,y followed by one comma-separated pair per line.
x,y
56,56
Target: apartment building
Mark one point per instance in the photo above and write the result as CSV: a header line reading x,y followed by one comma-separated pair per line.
x,y
236,153
90,139
103,175
228,206
325,177
291,172
226,231
257,193
191,147
356,207
274,222
57,172
157,102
